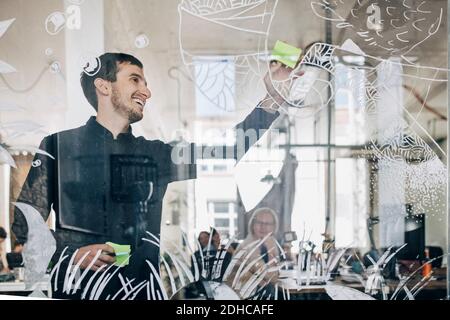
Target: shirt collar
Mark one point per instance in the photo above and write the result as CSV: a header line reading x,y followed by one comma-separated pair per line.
x,y
97,128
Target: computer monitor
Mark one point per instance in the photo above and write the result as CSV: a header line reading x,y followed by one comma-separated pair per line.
x,y
414,237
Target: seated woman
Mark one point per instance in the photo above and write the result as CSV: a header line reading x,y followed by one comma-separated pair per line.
x,y
254,268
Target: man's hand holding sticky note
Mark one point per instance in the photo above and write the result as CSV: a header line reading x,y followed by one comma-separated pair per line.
x,y
122,253
281,75
286,54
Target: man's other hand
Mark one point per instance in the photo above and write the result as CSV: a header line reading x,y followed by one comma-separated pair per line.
x,y
105,258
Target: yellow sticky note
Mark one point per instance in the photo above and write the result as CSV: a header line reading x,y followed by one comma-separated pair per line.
x,y
286,54
122,252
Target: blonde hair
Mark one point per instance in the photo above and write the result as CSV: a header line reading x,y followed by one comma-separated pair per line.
x,y
259,211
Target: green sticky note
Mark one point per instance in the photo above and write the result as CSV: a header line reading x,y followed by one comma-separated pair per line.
x,y
286,54
122,252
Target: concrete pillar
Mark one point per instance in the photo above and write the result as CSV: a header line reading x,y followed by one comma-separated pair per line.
x,y
87,41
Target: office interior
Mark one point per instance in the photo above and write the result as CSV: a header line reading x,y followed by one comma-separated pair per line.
x,y
357,163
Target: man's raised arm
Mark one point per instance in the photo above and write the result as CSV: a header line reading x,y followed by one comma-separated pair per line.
x,y
185,155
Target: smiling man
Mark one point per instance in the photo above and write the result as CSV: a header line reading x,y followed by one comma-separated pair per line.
x,y
105,184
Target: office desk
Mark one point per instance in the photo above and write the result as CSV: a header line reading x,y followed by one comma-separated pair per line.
x,y
434,290
327,291
18,288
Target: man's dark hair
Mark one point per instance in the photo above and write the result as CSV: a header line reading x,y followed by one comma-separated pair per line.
x,y
214,231
3,233
203,232
108,66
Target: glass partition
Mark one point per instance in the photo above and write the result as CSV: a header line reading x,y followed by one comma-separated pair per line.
x,y
255,149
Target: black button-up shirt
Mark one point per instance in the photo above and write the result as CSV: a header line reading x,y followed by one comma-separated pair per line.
x,y
105,189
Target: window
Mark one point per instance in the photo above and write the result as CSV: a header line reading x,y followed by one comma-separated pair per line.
x,y
221,223
216,167
351,174
220,168
215,85
224,217
350,102
221,207
351,202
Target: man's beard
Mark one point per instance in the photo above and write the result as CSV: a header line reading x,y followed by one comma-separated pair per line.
x,y
131,113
